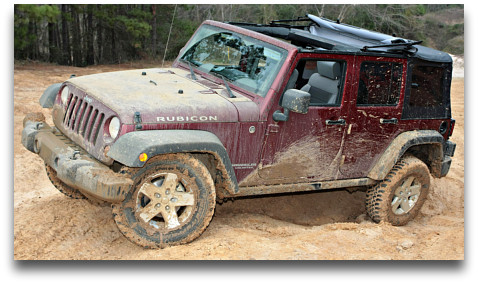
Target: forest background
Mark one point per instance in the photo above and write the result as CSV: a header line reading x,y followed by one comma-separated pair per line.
x,y
90,34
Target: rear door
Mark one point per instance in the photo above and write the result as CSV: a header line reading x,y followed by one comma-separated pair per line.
x,y
375,113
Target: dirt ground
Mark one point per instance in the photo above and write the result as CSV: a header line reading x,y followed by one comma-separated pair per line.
x,y
326,225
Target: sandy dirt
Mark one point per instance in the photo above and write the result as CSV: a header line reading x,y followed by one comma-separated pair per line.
x,y
325,225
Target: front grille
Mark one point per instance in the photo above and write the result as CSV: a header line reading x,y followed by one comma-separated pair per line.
x,y
83,119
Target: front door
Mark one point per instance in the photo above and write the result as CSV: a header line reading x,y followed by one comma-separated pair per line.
x,y
308,147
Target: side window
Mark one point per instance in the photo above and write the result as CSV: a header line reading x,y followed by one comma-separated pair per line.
x,y
379,83
323,80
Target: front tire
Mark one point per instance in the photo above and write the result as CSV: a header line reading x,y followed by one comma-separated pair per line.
x,y
399,197
171,202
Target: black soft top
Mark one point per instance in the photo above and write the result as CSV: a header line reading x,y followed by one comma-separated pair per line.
x,y
324,34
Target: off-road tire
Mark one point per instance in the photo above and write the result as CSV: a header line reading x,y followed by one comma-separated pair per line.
x,y
61,186
154,226
408,175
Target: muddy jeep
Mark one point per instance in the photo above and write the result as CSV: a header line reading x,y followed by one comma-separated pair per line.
x,y
247,109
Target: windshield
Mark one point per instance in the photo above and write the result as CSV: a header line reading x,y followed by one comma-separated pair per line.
x,y
246,62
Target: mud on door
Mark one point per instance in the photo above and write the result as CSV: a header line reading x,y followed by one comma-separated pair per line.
x,y
308,147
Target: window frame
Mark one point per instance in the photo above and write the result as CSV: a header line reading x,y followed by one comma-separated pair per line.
x,y
342,78
421,112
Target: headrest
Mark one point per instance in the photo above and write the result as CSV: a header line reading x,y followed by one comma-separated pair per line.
x,y
329,69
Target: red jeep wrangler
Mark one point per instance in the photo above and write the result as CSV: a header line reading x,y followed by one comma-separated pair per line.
x,y
248,109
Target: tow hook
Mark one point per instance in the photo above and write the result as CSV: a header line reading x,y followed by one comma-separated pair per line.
x,y
76,155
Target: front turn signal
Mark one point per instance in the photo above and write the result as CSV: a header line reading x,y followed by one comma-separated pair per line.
x,y
143,157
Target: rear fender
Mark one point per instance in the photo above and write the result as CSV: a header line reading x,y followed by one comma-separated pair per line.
x,y
127,149
410,142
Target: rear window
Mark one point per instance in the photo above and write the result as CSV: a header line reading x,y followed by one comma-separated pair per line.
x,y
427,86
428,91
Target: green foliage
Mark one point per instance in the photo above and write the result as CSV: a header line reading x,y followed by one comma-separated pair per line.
x,y
420,10
26,19
179,37
132,26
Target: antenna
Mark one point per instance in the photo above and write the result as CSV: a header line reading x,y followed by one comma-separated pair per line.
x,y
170,29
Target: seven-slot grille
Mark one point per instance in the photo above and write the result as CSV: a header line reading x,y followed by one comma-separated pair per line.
x,y
82,118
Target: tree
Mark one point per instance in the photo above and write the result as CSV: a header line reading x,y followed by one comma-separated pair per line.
x,y
81,34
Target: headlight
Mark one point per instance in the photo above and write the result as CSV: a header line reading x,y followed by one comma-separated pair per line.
x,y
64,94
114,127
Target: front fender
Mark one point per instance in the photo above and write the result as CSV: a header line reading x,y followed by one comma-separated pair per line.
x,y
47,99
127,148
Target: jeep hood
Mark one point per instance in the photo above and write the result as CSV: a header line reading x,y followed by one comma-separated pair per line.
x,y
164,93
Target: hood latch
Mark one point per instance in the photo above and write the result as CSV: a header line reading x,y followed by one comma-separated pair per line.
x,y
138,121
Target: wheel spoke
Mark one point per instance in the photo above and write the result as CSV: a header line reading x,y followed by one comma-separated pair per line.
x,y
405,205
395,203
170,182
407,183
148,212
182,199
415,189
148,189
170,218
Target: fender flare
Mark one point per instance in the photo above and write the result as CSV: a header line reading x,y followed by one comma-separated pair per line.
x,y
127,148
47,99
400,145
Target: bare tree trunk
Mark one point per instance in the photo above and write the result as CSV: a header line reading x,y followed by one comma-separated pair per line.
x,y
77,58
66,54
90,55
154,47
99,38
222,12
343,12
321,12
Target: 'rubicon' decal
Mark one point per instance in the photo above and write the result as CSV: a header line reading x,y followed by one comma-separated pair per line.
x,y
193,118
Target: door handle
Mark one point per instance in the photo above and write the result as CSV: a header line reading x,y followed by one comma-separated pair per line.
x,y
335,122
389,121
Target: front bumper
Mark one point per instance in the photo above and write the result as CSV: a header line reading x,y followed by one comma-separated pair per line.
x,y
73,165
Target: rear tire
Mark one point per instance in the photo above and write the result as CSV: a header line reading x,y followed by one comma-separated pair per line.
x,y
399,197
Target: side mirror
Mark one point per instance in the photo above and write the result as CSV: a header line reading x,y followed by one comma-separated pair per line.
x,y
293,100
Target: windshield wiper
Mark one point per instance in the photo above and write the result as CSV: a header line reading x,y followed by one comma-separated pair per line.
x,y
193,76
231,95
